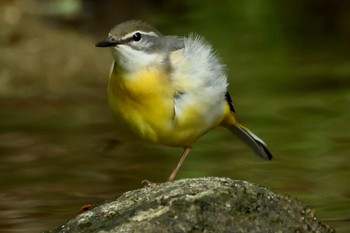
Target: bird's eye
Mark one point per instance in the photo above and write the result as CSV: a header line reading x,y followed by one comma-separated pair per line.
x,y
137,36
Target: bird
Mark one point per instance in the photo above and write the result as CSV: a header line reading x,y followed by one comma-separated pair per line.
x,y
171,89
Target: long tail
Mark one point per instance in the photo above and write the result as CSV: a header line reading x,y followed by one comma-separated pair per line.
x,y
251,140
231,122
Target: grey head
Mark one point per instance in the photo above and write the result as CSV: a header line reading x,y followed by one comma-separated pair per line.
x,y
140,35
137,34
136,43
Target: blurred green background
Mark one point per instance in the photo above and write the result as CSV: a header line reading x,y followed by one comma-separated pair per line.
x,y
288,64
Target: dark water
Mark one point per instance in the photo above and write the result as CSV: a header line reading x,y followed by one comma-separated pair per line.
x,y
59,151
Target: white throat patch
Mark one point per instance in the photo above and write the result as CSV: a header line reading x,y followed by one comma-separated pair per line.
x,y
131,59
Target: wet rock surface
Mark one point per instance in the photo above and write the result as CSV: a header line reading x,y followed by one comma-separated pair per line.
x,y
198,205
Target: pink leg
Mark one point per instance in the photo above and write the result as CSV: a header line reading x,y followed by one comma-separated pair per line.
x,y
182,159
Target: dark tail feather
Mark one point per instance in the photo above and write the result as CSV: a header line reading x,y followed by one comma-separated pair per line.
x,y
251,140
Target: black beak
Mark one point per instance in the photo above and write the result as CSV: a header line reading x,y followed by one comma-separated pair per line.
x,y
106,43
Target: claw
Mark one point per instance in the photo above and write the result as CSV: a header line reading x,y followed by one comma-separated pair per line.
x,y
149,183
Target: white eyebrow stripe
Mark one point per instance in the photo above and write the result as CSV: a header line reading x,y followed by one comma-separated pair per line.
x,y
142,33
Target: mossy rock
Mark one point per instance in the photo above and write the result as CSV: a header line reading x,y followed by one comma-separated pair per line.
x,y
208,204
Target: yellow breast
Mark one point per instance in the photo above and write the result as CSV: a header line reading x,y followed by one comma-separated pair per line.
x,y
145,101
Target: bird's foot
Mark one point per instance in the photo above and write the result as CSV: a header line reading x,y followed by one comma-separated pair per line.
x,y
149,183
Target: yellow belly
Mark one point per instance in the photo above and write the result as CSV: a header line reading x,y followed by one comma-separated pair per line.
x,y
145,101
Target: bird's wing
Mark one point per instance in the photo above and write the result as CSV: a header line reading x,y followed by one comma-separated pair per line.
x,y
198,80
229,102
196,68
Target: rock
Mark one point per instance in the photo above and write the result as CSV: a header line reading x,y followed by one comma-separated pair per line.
x,y
198,205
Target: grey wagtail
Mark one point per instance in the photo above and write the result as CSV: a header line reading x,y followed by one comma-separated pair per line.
x,y
170,89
